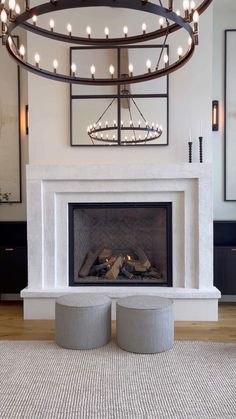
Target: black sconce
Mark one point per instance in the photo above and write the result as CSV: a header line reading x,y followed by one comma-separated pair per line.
x,y
27,119
215,115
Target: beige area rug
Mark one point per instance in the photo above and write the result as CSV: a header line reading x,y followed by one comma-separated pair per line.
x,y
195,380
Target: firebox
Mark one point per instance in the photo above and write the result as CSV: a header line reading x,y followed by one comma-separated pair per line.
x,y
119,244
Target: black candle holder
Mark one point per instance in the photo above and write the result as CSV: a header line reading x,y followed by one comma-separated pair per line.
x,y
200,149
190,152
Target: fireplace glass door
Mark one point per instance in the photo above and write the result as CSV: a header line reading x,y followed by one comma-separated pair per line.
x,y
120,244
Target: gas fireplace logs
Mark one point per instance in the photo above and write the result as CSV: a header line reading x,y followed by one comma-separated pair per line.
x,y
111,265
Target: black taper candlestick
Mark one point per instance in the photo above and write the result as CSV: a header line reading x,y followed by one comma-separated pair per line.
x,y
190,149
200,150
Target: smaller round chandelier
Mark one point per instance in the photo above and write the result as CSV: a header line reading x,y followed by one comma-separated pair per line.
x,y
168,21
141,132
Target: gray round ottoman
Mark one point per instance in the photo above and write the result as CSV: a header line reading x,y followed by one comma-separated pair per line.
x,y
83,321
145,324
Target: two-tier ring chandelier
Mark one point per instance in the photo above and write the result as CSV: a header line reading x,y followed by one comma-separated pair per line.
x,y
168,21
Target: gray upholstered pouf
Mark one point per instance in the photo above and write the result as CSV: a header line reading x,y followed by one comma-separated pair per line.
x,y
145,324
83,321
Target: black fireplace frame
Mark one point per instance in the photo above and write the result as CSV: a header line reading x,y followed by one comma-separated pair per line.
x,y
166,205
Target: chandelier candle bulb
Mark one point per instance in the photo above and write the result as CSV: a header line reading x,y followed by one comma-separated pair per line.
x,y
166,60
37,59
149,64
17,9
12,5
34,19
106,124
114,123
88,30
122,123
125,30
144,28
178,12
3,20
139,124
112,70
192,6
131,69
73,69
22,51
69,29
106,30
93,70
195,21
51,24
180,52
55,66
161,22
186,6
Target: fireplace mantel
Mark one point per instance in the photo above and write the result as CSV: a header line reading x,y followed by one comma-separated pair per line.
x,y
187,186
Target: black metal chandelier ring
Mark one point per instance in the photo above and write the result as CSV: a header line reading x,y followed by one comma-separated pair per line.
x,y
131,4
154,133
137,5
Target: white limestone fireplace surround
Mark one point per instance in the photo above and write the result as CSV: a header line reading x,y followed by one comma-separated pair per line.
x,y
187,186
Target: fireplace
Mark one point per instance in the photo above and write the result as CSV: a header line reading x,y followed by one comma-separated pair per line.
x,y
119,244
51,190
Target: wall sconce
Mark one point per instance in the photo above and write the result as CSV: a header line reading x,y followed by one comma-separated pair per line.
x,y
27,119
215,115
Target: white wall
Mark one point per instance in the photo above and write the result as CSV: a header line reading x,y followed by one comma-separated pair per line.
x,y
224,18
17,212
190,102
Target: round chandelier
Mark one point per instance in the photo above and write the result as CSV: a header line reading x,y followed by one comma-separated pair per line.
x,y
141,132
168,20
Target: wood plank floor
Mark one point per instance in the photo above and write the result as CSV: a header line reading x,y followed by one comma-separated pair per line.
x,y
13,327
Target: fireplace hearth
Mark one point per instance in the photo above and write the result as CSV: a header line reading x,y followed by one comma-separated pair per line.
x,y
120,244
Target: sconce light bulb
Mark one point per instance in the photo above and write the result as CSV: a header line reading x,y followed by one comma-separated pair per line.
x,y
144,27
3,16
69,28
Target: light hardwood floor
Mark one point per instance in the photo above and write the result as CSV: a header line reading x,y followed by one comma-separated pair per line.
x,y
13,327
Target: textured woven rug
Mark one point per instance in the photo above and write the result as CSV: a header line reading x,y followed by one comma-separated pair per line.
x,y
193,380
